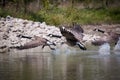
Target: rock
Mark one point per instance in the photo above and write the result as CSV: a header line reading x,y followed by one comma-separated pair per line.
x,y
11,28
4,50
3,46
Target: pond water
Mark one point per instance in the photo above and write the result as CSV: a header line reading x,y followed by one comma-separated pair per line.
x,y
79,65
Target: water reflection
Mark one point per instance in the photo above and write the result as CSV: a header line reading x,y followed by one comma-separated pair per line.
x,y
48,66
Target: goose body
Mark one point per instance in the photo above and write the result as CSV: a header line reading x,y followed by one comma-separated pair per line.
x,y
107,37
73,36
38,41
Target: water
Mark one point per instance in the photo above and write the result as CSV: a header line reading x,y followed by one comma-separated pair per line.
x,y
79,65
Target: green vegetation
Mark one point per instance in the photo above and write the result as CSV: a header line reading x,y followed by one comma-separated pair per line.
x,y
55,15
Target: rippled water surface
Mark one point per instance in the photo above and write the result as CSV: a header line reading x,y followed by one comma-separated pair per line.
x,y
88,65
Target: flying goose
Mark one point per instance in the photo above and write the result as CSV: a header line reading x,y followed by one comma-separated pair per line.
x,y
38,41
73,35
108,37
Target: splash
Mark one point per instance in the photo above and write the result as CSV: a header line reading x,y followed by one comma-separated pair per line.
x,y
104,49
117,46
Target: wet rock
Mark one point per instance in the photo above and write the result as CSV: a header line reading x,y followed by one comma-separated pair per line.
x,y
3,46
4,49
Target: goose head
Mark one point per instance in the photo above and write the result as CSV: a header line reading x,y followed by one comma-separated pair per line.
x,y
62,28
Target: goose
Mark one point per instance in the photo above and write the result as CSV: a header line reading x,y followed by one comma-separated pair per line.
x,y
38,41
108,37
73,35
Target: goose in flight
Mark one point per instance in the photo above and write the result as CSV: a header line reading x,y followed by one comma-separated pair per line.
x,y
73,35
38,41
108,37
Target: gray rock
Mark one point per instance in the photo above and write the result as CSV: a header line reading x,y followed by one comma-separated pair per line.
x,y
11,28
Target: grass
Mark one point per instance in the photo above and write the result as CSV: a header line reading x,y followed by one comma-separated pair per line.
x,y
57,16
82,16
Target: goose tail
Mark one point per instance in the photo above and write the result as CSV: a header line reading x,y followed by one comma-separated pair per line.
x,y
81,46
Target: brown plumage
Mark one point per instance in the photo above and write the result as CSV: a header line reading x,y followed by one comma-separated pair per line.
x,y
108,37
73,35
38,41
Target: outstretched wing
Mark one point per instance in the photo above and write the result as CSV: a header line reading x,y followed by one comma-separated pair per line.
x,y
99,42
78,28
31,44
67,34
77,35
72,34
73,37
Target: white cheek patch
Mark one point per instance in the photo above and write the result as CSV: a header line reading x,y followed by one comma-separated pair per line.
x,y
63,28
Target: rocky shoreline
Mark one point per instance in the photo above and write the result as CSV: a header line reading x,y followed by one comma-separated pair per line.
x,y
11,29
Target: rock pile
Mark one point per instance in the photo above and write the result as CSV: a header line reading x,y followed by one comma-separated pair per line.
x,y
11,28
